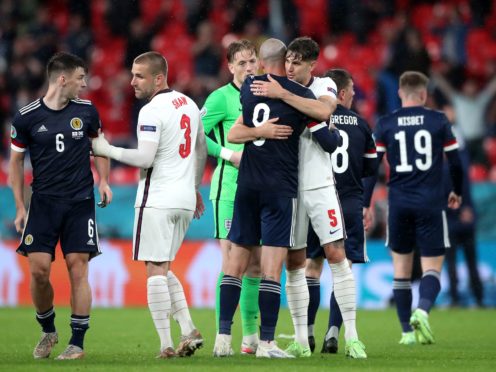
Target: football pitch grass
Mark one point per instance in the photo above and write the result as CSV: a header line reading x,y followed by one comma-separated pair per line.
x,y
125,339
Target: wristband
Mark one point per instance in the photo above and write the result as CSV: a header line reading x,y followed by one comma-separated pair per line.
x,y
226,154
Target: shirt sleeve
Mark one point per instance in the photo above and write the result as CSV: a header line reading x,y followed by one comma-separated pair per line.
x,y
95,123
213,113
326,87
314,126
450,142
370,151
149,125
380,142
18,134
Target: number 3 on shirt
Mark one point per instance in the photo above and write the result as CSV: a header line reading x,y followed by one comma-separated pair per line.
x,y
185,148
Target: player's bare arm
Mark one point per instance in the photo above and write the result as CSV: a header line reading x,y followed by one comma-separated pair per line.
x,y
102,165
234,157
240,133
16,176
320,109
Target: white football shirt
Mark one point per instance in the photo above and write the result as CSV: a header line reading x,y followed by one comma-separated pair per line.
x,y
171,119
314,167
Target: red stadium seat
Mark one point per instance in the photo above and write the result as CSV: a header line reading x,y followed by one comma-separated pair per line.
x,y
478,173
151,8
422,17
98,24
177,51
433,46
3,172
313,17
108,57
490,149
124,175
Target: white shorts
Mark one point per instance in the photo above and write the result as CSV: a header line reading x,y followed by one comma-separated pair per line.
x,y
322,208
158,233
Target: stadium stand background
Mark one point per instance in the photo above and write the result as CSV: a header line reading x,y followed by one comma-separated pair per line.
x,y
375,40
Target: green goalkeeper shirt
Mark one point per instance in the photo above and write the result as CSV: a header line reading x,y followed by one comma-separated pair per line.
x,y
219,113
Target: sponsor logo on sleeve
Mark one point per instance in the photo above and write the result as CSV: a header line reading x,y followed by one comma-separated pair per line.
x,y
203,112
148,128
13,132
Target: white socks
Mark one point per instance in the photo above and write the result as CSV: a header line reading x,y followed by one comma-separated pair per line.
x,y
180,311
298,299
345,293
159,303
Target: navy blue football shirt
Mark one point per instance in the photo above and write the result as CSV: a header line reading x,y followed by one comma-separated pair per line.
x,y
59,146
415,139
356,157
272,165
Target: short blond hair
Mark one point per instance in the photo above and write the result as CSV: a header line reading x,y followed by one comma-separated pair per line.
x,y
239,46
155,60
413,81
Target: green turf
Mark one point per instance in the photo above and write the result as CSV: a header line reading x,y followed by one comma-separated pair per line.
x,y
124,339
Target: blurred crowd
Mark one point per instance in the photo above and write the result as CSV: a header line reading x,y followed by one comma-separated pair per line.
x,y
454,42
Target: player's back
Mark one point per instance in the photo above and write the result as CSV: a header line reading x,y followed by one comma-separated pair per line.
x,y
170,181
272,165
355,158
415,139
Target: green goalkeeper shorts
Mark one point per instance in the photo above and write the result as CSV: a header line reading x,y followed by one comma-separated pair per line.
x,y
223,212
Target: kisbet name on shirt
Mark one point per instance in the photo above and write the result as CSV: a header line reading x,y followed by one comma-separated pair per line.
x,y
411,120
344,119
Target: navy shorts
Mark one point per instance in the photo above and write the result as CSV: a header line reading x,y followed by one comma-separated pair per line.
x,y
50,219
262,218
426,229
354,244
